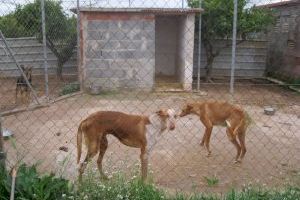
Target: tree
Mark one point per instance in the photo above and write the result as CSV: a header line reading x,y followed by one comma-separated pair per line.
x,y
217,22
61,36
10,27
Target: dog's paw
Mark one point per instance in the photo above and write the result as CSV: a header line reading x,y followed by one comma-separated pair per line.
x,y
237,162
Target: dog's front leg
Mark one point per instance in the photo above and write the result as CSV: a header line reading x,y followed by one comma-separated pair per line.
x,y
206,137
144,162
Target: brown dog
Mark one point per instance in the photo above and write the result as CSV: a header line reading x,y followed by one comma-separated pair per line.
x,y
217,113
132,130
21,85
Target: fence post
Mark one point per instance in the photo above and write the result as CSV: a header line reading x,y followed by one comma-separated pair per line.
x,y
2,154
78,44
233,57
199,47
45,50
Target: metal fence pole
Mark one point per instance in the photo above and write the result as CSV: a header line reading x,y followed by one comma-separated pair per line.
x,y
233,57
182,3
78,43
45,49
199,47
2,154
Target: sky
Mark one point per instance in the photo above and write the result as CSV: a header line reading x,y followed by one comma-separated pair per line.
x,y
7,6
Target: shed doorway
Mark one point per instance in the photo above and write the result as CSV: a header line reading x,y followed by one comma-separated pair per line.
x,y
168,52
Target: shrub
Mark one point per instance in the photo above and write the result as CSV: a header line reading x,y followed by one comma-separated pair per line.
x,y
70,88
31,185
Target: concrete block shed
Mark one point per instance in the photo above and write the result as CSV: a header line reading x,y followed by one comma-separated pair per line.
x,y
136,47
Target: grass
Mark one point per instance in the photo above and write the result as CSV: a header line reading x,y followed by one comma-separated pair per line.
x,y
212,181
32,185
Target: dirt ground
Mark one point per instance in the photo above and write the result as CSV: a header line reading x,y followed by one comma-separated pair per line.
x,y
177,162
8,89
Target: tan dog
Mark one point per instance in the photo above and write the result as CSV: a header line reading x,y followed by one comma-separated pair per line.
x,y
132,130
218,113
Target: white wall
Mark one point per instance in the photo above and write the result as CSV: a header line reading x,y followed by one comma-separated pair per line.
x,y
185,51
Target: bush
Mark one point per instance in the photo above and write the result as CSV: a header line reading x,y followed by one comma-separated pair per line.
x,y
70,88
31,185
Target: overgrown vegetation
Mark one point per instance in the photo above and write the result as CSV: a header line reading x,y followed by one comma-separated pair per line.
x,y
31,185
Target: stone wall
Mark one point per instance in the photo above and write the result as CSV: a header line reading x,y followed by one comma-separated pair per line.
x,y
283,58
118,50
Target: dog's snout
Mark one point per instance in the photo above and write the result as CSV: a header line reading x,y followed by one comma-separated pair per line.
x,y
172,126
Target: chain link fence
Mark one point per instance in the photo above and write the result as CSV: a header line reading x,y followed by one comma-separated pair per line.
x,y
61,61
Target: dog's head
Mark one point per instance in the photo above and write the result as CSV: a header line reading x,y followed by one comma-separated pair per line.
x,y
167,118
188,109
28,71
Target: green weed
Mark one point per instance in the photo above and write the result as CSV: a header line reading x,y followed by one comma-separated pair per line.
x,y
212,181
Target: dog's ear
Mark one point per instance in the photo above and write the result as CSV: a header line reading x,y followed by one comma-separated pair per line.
x,y
22,67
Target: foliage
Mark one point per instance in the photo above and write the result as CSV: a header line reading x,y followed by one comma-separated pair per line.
x,y
217,22
60,29
31,185
61,35
11,28
70,88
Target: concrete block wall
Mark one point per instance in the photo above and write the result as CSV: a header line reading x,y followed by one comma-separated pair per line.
x,y
283,55
118,50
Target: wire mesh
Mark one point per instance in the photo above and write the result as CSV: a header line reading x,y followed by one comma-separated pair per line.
x,y
140,56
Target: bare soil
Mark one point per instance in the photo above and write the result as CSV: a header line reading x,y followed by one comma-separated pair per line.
x,y
8,90
178,162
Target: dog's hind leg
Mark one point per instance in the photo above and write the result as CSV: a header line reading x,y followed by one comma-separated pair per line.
x,y
241,137
233,140
103,147
92,151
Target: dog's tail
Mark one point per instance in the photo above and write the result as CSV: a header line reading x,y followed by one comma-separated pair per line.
x,y
79,142
241,127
